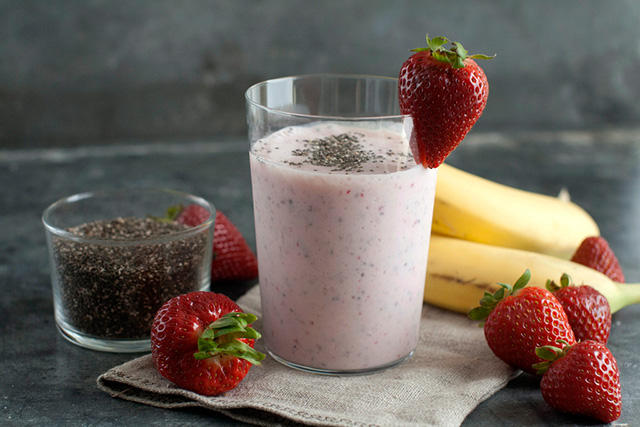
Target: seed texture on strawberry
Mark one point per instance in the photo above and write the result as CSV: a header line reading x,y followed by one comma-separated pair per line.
x,y
233,259
596,253
581,379
202,341
192,215
521,319
445,92
587,309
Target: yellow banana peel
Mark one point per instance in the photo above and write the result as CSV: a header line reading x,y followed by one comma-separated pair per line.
x,y
473,208
459,272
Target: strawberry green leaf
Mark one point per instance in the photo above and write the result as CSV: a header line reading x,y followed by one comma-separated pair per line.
x,y
565,281
222,336
479,313
489,301
551,286
481,56
171,215
460,50
454,56
440,56
521,282
174,211
243,351
547,352
436,43
234,319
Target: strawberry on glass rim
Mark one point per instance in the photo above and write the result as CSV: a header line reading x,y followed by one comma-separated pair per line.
x,y
445,91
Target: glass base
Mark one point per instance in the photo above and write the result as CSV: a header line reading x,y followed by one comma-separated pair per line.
x,y
338,372
102,344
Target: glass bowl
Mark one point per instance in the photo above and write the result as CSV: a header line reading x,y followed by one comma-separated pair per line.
x,y
115,258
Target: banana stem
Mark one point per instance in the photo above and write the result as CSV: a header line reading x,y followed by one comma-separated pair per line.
x,y
628,293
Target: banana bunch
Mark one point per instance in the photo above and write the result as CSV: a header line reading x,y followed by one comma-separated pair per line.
x,y
459,272
473,208
484,232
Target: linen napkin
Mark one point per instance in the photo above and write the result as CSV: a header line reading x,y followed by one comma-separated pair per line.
x,y
450,373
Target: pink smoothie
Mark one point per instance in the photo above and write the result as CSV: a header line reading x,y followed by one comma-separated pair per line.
x,y
342,244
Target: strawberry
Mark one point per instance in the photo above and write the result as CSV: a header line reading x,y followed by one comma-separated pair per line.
x,y
201,341
232,256
233,259
521,319
587,309
596,253
581,379
192,215
445,92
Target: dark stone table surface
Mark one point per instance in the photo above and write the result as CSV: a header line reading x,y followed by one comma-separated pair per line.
x,y
45,380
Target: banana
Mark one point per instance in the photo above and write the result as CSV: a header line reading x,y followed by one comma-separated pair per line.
x,y
459,272
472,208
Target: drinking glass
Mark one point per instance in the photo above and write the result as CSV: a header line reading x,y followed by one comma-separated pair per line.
x,y
342,219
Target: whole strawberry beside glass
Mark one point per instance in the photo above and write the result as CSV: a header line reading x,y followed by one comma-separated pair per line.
x,y
203,342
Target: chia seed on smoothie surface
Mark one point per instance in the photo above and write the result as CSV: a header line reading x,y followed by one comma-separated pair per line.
x,y
344,152
114,291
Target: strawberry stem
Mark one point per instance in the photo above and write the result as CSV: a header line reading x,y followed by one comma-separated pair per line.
x,y
549,354
565,281
489,301
171,215
222,338
454,56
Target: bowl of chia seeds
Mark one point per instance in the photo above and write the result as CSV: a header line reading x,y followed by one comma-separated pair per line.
x,y
115,258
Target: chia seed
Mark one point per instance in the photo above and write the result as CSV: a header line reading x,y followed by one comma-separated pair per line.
x,y
114,291
341,152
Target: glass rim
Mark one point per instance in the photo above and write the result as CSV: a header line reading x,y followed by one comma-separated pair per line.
x,y
345,76
174,235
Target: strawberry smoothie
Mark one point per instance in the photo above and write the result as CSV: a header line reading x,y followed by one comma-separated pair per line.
x,y
343,218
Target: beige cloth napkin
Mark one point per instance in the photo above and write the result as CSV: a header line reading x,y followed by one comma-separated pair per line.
x,y
451,372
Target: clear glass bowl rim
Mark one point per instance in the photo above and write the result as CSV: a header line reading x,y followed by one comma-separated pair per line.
x,y
127,242
344,76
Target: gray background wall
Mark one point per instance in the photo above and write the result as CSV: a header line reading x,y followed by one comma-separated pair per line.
x,y
95,72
